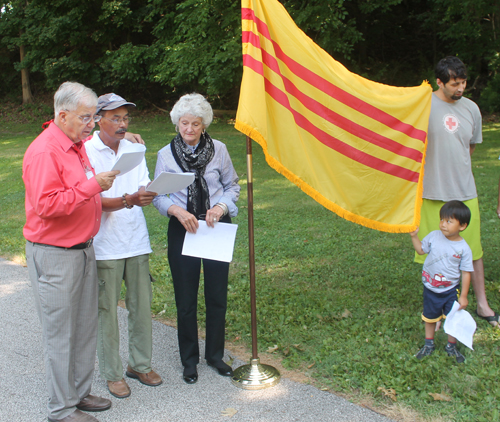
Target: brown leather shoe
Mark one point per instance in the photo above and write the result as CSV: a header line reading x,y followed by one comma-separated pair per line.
x,y
76,416
119,389
93,404
151,378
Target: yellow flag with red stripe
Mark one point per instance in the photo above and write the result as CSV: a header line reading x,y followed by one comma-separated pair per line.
x,y
356,146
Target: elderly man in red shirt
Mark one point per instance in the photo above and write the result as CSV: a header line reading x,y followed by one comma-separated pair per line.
x,y
63,214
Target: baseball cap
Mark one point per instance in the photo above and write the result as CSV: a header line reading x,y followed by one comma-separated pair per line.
x,y
111,102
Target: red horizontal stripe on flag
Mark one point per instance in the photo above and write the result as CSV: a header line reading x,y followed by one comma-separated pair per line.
x,y
251,37
327,139
253,64
248,14
335,118
332,90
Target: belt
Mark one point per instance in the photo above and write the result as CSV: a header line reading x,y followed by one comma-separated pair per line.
x,y
83,245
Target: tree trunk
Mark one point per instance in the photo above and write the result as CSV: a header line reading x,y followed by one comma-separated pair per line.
x,y
25,79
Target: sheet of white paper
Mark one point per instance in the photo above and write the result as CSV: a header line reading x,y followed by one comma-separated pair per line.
x,y
130,159
215,243
170,182
460,325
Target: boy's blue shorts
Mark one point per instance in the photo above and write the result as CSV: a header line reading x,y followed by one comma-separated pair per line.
x,y
437,305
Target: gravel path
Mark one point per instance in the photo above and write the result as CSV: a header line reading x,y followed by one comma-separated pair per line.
x,y
23,394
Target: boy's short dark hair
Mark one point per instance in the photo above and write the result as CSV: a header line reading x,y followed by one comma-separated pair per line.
x,y
457,210
450,67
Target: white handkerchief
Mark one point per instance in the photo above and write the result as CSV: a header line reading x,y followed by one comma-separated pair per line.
x,y
460,325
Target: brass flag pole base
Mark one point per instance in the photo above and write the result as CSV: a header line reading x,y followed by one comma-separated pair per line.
x,y
255,376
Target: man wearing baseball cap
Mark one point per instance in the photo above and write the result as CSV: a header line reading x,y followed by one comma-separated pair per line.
x,y
122,251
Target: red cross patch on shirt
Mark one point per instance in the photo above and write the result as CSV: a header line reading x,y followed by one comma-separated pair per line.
x,y
451,123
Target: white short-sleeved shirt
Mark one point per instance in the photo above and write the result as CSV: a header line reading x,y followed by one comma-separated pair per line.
x,y
123,233
445,261
453,127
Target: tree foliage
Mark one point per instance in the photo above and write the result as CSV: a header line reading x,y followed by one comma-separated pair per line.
x,y
156,50
204,51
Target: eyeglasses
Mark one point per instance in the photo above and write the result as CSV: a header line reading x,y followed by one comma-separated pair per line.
x,y
86,119
118,121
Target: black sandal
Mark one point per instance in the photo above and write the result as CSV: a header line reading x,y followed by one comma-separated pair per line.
x,y
490,319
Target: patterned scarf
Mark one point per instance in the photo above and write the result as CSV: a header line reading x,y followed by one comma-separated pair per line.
x,y
196,162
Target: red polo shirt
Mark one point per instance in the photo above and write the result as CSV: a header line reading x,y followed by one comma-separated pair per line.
x,y
63,206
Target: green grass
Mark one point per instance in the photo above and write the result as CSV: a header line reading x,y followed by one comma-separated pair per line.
x,y
341,302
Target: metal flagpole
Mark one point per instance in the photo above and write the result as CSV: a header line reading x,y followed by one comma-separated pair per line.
x,y
254,376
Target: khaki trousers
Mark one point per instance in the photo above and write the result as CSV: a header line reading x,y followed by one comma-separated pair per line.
x,y
134,272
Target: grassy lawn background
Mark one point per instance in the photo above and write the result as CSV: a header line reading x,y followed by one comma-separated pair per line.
x,y
336,301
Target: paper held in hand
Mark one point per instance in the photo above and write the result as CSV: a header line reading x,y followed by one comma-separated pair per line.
x,y
216,243
130,159
460,324
170,182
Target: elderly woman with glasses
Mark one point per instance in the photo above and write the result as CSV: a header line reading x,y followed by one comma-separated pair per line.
x,y
212,196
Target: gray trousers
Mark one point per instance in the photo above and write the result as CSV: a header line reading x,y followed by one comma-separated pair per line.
x,y
135,272
65,288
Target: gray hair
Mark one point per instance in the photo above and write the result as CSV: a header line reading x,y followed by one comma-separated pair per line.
x,y
194,104
70,95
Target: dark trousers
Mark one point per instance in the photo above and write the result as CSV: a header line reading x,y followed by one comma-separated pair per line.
x,y
186,277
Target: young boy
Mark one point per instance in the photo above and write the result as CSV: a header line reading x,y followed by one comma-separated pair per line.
x,y
448,255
